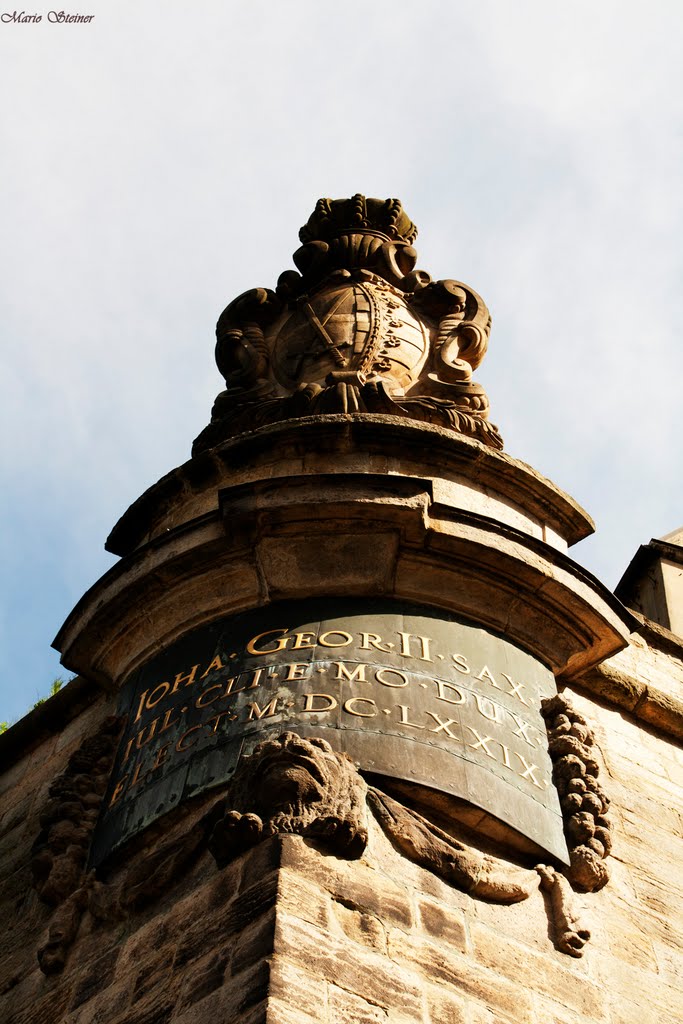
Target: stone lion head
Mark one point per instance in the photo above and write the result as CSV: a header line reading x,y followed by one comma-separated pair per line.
x,y
289,784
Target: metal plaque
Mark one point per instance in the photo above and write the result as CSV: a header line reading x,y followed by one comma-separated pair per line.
x,y
408,691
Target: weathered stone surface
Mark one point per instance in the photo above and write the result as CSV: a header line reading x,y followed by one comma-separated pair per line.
x,y
358,331
381,936
442,924
347,1008
343,500
292,785
514,961
446,1009
442,554
376,977
354,884
298,986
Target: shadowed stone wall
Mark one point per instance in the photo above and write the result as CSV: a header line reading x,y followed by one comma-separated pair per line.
x,y
291,932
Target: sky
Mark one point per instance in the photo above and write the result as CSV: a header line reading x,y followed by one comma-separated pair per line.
x,y
160,159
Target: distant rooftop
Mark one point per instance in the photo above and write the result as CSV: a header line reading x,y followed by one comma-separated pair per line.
x,y
653,582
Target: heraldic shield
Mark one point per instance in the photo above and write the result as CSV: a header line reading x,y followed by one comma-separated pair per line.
x,y
355,326
355,330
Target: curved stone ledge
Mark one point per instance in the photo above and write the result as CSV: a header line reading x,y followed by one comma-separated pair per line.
x,y
327,535
465,474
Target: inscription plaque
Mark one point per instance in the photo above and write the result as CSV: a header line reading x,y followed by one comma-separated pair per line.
x,y
407,691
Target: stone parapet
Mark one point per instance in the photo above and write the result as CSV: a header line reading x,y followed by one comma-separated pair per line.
x,y
411,511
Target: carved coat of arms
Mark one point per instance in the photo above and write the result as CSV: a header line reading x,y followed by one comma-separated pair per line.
x,y
357,329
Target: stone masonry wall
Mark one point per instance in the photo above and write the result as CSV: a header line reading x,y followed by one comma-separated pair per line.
x,y
289,933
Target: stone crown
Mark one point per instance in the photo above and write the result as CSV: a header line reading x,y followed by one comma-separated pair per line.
x,y
385,218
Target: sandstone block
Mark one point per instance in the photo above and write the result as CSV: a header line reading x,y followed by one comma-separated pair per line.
x,y
567,982
299,986
442,923
347,1008
360,970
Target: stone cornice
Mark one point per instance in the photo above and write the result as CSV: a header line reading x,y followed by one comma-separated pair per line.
x,y
435,450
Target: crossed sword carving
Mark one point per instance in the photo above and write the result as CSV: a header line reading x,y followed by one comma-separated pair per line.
x,y
319,328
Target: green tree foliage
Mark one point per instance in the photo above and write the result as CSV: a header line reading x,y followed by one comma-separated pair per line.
x,y
55,687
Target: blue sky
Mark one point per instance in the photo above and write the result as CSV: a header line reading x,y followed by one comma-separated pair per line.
x,y
159,160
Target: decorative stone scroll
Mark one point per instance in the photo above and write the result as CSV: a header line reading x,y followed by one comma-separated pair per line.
x,y
356,330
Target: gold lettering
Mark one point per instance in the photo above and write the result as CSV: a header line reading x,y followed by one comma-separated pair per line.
x,y
506,756
140,741
136,775
350,706
460,662
425,641
256,712
164,687
489,709
335,632
483,742
404,717
441,686
118,789
296,671
126,755
167,723
311,697
256,680
522,729
405,645
180,746
357,674
302,641
141,705
188,678
529,773
515,688
233,679
381,672
441,725
374,640
201,702
160,758
215,666
217,719
486,674
279,644
406,652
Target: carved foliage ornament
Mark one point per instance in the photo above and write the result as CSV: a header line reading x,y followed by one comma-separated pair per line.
x,y
69,817
291,785
583,802
356,329
303,787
